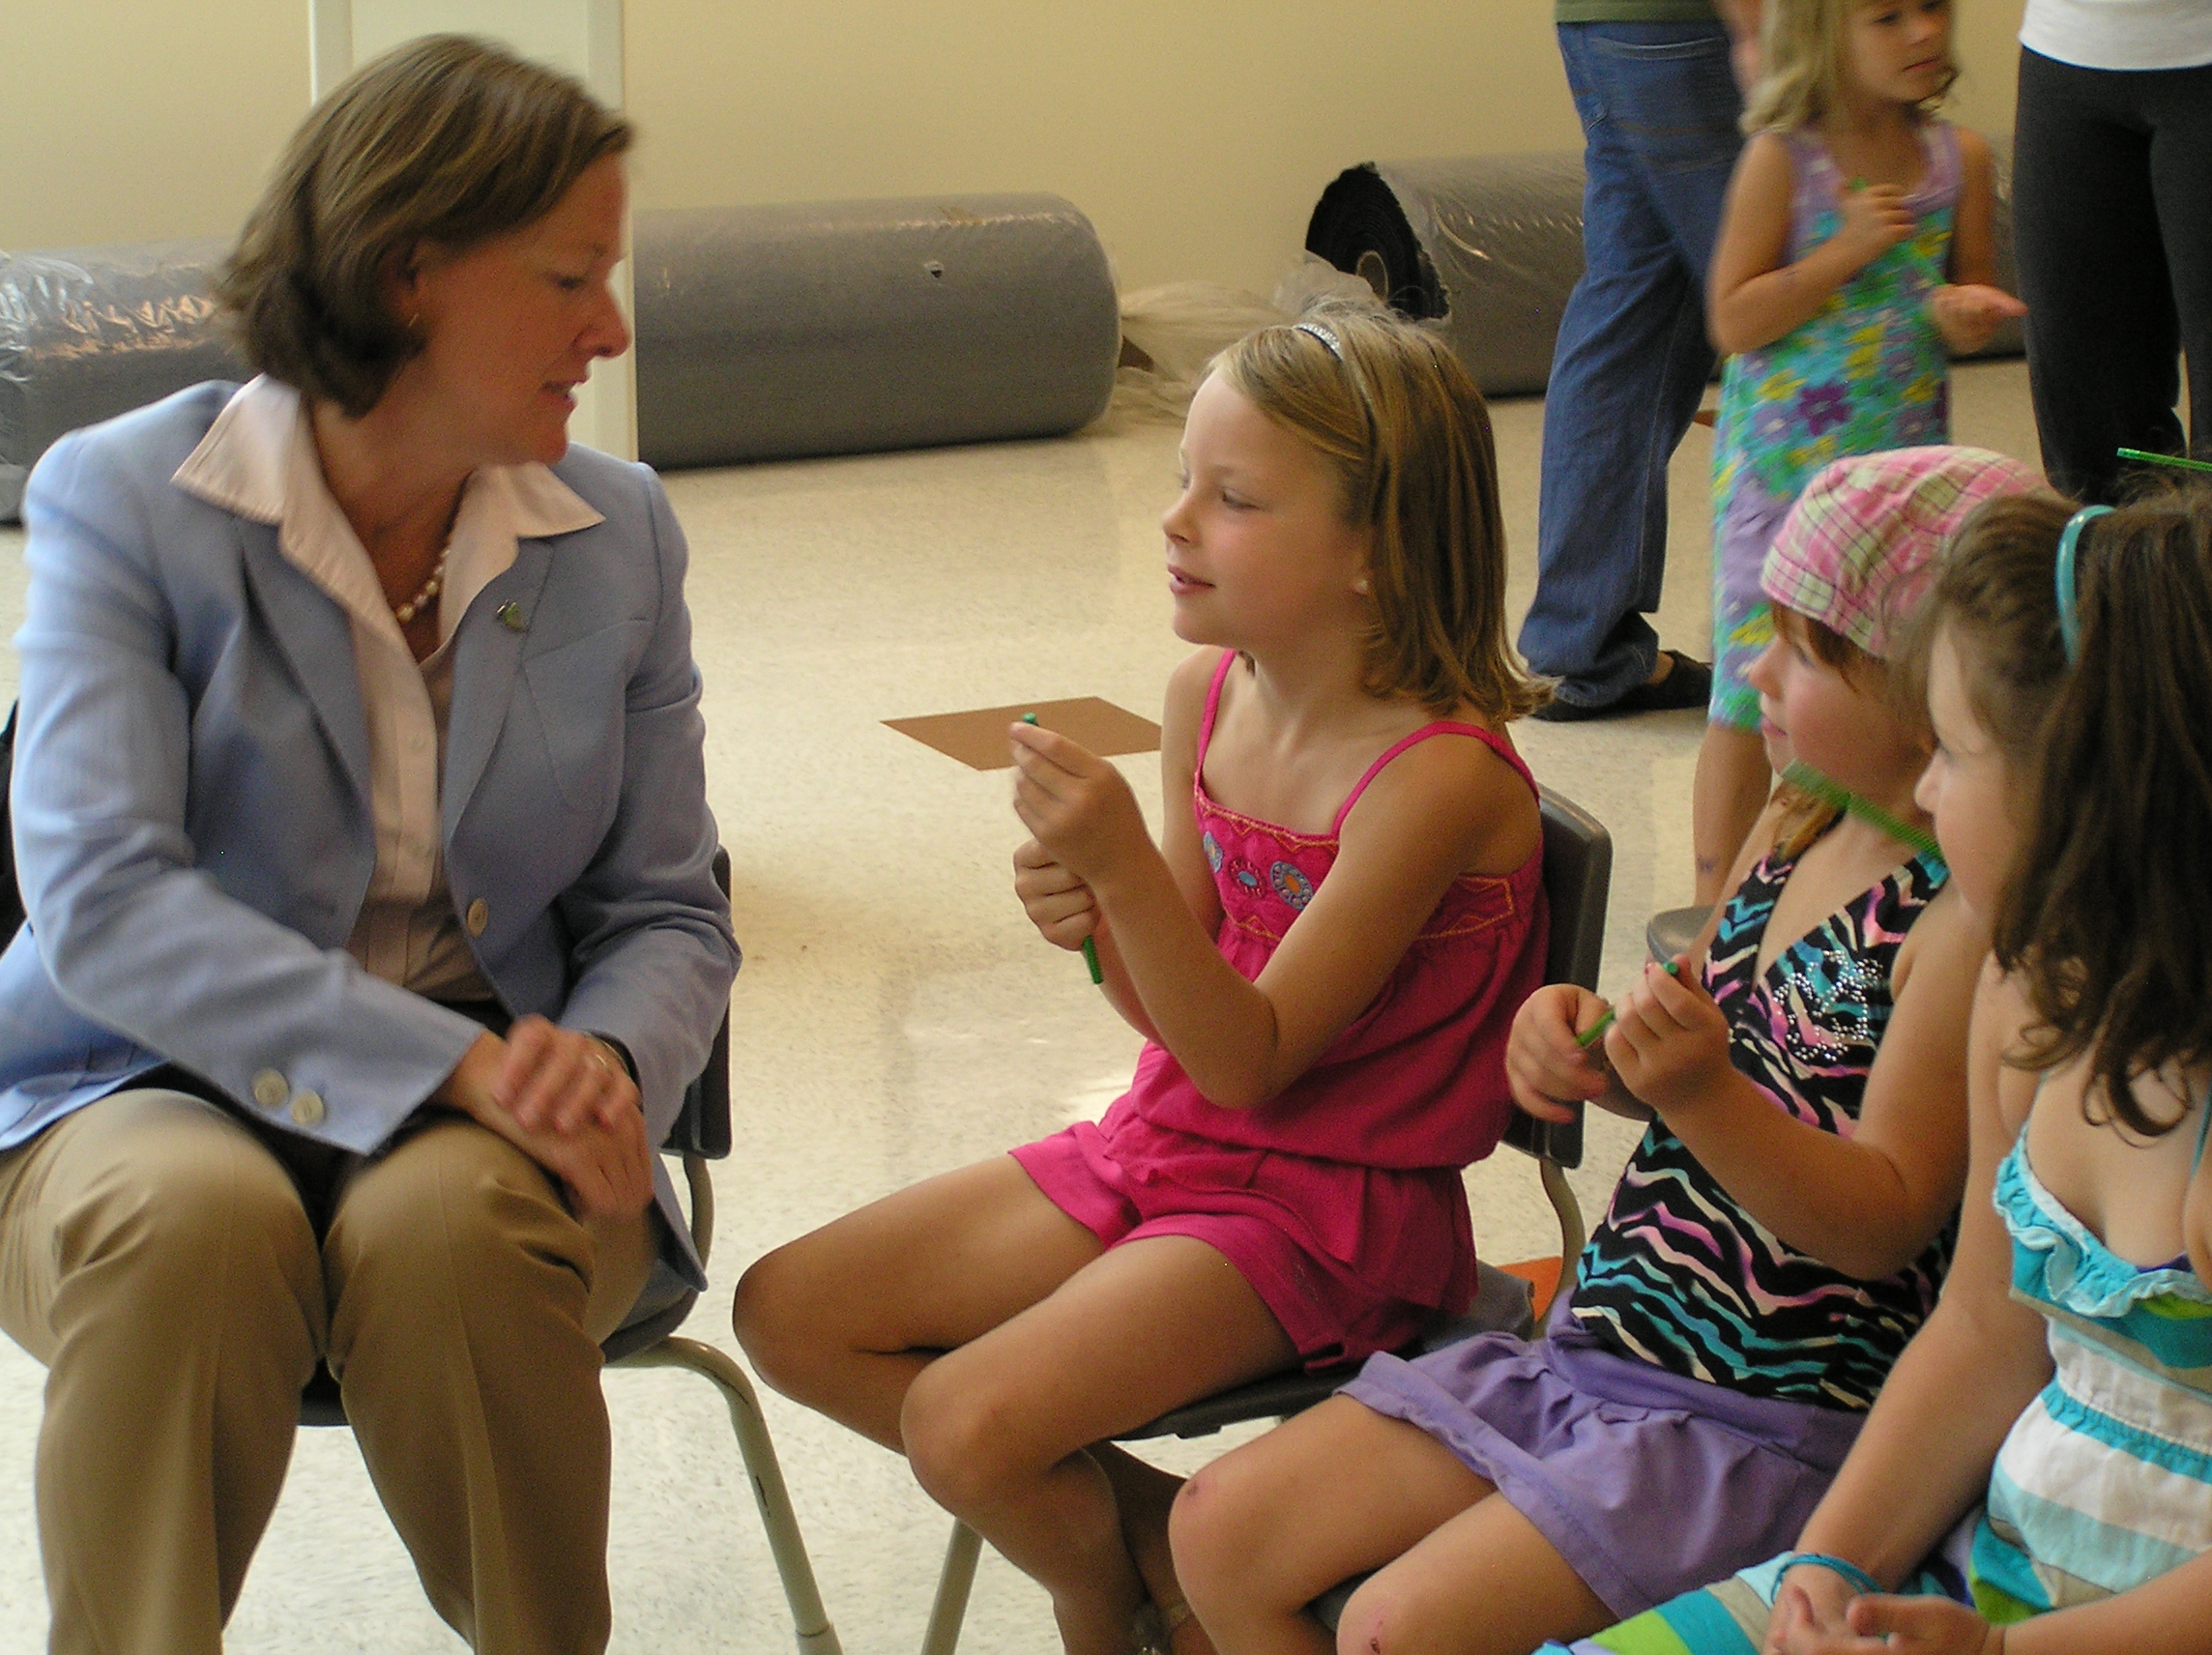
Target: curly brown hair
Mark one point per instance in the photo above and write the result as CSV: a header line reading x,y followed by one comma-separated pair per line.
x,y
443,142
2109,918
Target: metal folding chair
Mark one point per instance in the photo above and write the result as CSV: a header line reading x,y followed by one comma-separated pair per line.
x,y
1577,880
648,1340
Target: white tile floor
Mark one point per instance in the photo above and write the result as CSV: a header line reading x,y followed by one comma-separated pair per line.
x,y
897,1015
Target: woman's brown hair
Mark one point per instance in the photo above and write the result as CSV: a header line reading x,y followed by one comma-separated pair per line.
x,y
441,143
1408,434
2108,918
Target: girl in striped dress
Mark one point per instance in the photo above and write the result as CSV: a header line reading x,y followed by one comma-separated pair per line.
x,y
1777,1237
2065,1383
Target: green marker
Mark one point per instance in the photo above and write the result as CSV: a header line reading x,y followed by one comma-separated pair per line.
x,y
1595,1033
1089,948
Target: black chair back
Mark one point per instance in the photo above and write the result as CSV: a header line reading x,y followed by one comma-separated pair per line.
x,y
1578,884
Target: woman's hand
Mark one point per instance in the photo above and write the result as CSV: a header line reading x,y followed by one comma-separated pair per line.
x,y
561,1079
1968,313
601,1155
1668,1041
1544,1064
1059,905
1875,1625
1875,219
1075,802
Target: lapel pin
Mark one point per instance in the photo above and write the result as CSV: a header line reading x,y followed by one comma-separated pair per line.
x,y
510,616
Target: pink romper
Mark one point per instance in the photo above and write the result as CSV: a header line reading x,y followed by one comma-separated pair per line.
x,y
1339,1200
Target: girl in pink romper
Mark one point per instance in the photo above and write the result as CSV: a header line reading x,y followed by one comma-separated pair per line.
x,y
1340,1202
1325,953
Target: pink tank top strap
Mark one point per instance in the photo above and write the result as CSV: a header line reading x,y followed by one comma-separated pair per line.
x,y
1489,738
1212,706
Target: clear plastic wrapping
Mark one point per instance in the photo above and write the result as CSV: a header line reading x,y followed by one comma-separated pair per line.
x,y
87,333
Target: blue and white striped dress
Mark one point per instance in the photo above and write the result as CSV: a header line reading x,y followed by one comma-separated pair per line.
x,y
2106,1481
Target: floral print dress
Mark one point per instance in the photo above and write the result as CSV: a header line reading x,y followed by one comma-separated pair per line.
x,y
1867,372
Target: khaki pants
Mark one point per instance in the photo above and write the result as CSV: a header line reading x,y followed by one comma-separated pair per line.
x,y
179,1274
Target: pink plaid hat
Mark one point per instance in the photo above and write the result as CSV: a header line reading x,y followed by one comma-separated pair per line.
x,y
1858,550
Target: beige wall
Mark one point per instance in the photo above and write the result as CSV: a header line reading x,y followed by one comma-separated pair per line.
x,y
1196,134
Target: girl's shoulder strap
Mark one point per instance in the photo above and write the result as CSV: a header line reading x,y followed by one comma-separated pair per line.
x,y
1809,154
1489,738
2204,1122
1944,171
1212,706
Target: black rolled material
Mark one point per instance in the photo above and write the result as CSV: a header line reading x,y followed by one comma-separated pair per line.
x,y
768,333
763,333
1486,248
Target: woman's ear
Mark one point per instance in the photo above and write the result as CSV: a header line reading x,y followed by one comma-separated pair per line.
x,y
405,284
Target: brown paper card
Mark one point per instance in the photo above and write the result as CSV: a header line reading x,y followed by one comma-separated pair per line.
x,y
979,738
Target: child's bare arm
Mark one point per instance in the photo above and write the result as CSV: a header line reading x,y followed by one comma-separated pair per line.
x,y
1065,909
1416,828
1968,309
1866,1204
1549,1069
1924,1457
1754,293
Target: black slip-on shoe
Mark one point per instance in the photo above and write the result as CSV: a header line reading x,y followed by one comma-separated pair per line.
x,y
1689,684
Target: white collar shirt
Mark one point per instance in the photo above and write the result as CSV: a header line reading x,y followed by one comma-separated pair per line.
x,y
259,460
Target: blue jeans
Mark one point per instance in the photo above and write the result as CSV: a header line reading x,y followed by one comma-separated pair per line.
x,y
1658,106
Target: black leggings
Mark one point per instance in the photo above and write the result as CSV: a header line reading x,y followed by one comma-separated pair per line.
x,y
2113,232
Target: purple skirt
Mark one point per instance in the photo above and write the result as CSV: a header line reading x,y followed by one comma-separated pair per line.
x,y
1648,1484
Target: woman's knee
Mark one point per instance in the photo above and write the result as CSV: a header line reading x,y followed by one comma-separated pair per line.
x,y
456,1203
190,1218
175,1229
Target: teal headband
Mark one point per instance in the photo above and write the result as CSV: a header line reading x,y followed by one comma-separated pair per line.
x,y
2069,587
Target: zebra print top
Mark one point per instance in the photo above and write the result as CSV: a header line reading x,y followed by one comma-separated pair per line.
x,y
1680,1276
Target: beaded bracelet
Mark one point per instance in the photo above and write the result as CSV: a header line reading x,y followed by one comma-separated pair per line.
x,y
1858,1577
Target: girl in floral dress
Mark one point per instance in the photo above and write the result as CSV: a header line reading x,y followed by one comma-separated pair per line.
x,y
1856,250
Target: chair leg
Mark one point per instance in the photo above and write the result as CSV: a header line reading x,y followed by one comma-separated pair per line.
x,y
1572,1233
953,1583
816,1636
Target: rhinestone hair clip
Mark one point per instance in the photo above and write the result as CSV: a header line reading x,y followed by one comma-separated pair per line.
x,y
1326,335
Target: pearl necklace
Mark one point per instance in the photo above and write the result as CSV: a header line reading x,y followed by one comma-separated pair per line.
x,y
405,613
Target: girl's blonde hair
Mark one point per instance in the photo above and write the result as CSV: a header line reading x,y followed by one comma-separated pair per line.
x,y
1801,56
1408,434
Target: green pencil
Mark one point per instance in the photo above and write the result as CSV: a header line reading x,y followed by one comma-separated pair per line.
x,y
1595,1033
1089,948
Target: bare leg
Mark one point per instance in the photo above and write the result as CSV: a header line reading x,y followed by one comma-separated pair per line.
x,y
1484,1584
998,1429
1270,1526
1730,789
1053,1346
842,1319
1146,1494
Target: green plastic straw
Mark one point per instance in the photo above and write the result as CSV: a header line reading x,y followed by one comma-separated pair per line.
x,y
1089,948
1801,775
2173,461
